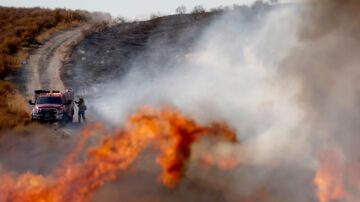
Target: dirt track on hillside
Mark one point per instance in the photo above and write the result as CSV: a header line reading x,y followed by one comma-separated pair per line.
x,y
43,147
43,69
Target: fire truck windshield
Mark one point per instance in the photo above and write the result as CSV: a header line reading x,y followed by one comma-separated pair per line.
x,y
49,100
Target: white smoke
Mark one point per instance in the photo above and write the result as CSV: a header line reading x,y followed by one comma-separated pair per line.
x,y
231,74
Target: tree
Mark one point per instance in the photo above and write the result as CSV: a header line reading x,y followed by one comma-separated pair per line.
x,y
155,15
120,20
198,9
181,9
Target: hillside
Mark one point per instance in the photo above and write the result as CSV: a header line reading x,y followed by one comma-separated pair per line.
x,y
111,53
107,54
22,29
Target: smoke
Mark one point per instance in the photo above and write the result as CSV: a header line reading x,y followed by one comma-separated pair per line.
x,y
286,78
231,73
326,66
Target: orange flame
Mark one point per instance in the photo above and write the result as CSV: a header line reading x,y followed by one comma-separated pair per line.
x,y
329,179
165,129
226,162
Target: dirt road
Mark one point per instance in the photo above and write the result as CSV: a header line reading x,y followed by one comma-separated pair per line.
x,y
43,148
43,69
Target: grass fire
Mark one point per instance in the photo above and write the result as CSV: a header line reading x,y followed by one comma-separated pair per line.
x,y
165,130
257,102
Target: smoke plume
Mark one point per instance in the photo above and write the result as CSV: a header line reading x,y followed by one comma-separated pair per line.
x,y
326,66
285,77
231,73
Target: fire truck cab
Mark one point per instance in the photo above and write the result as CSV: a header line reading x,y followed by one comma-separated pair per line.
x,y
52,106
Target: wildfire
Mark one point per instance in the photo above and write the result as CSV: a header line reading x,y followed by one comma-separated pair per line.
x,y
222,162
165,129
329,179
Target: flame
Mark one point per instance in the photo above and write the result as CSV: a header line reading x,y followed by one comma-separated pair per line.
x,y
164,129
223,162
329,179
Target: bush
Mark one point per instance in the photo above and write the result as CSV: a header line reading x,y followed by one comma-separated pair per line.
x,y
181,9
12,107
120,20
48,22
155,15
11,45
198,9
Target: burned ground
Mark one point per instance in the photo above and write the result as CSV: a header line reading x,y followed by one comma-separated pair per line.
x,y
108,54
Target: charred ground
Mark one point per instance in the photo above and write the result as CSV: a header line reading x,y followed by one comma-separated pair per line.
x,y
111,52
108,54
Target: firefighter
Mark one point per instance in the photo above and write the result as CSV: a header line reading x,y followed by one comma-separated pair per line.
x,y
82,109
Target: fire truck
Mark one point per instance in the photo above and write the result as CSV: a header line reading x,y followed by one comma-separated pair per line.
x,y
52,106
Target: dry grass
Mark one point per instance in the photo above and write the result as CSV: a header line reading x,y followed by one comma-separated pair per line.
x,y
21,29
61,26
12,107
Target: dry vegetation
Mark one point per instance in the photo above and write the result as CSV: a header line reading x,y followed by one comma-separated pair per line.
x,y
23,27
20,29
12,107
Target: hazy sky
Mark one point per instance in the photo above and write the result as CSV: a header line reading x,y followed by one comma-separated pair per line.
x,y
127,8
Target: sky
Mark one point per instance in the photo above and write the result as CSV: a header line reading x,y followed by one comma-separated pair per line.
x,y
125,8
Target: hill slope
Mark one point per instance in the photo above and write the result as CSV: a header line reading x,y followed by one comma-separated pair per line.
x,y
20,30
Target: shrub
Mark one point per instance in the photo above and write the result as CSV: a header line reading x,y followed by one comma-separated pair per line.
x,y
181,9
198,9
12,107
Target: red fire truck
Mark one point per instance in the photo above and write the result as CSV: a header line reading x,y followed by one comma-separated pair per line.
x,y
53,106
